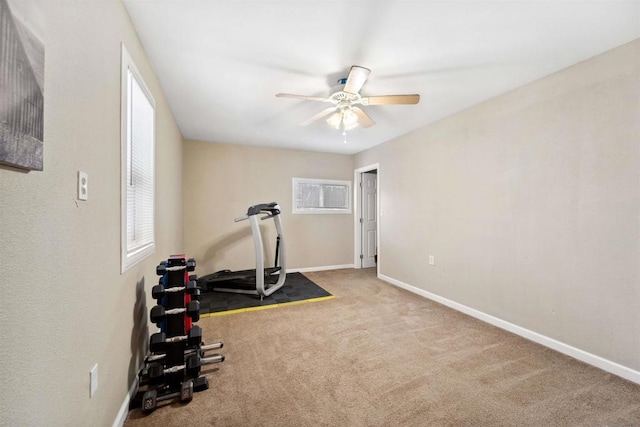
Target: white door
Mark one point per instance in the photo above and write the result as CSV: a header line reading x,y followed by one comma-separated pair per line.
x,y
369,219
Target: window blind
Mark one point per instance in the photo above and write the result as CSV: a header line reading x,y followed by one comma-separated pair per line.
x,y
140,197
138,179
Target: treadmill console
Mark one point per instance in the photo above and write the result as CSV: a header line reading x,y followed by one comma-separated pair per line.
x,y
272,208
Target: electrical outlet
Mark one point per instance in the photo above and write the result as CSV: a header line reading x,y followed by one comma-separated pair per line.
x,y
432,260
83,185
93,376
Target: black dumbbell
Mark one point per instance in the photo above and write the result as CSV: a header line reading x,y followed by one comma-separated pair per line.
x,y
196,295
159,291
150,398
161,269
155,371
194,337
194,290
193,366
193,310
200,384
191,287
159,314
191,264
186,391
157,342
149,401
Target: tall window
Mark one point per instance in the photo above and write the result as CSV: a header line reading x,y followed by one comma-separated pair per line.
x,y
138,143
321,196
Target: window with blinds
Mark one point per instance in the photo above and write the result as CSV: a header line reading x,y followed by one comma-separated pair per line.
x,y
138,142
321,196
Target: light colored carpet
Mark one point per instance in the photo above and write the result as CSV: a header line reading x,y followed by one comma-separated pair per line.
x,y
380,356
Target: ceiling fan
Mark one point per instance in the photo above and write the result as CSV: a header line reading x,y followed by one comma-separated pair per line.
x,y
346,114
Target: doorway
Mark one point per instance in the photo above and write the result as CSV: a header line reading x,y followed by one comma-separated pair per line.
x,y
366,223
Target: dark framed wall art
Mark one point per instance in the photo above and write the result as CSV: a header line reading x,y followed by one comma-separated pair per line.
x,y
21,85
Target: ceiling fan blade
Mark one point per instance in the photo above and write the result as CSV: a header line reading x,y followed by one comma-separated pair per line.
x,y
391,100
318,116
363,120
305,97
357,77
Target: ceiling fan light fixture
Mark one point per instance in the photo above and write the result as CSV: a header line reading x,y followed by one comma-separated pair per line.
x,y
334,120
349,118
349,127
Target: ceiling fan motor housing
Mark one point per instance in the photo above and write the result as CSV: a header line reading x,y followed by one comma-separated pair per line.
x,y
341,97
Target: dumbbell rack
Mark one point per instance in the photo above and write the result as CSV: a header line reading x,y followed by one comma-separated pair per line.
x,y
172,369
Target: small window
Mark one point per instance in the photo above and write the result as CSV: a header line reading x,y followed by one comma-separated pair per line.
x,y
137,166
312,196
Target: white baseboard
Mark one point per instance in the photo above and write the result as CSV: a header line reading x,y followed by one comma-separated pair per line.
x,y
124,409
324,268
576,353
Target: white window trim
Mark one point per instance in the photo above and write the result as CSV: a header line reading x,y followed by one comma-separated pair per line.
x,y
130,259
295,181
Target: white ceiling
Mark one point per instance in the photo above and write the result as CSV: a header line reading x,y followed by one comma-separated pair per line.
x,y
221,63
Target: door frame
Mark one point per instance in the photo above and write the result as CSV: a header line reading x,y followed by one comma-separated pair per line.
x,y
357,210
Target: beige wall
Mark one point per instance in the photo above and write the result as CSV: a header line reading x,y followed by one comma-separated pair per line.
x,y
530,203
221,181
65,305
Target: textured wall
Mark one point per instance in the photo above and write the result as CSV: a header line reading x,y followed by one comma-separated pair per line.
x,y
530,203
222,180
65,305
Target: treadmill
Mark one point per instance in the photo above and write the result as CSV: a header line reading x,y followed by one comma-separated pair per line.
x,y
263,281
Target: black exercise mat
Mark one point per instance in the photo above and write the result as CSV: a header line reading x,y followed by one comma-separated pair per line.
x,y
296,288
